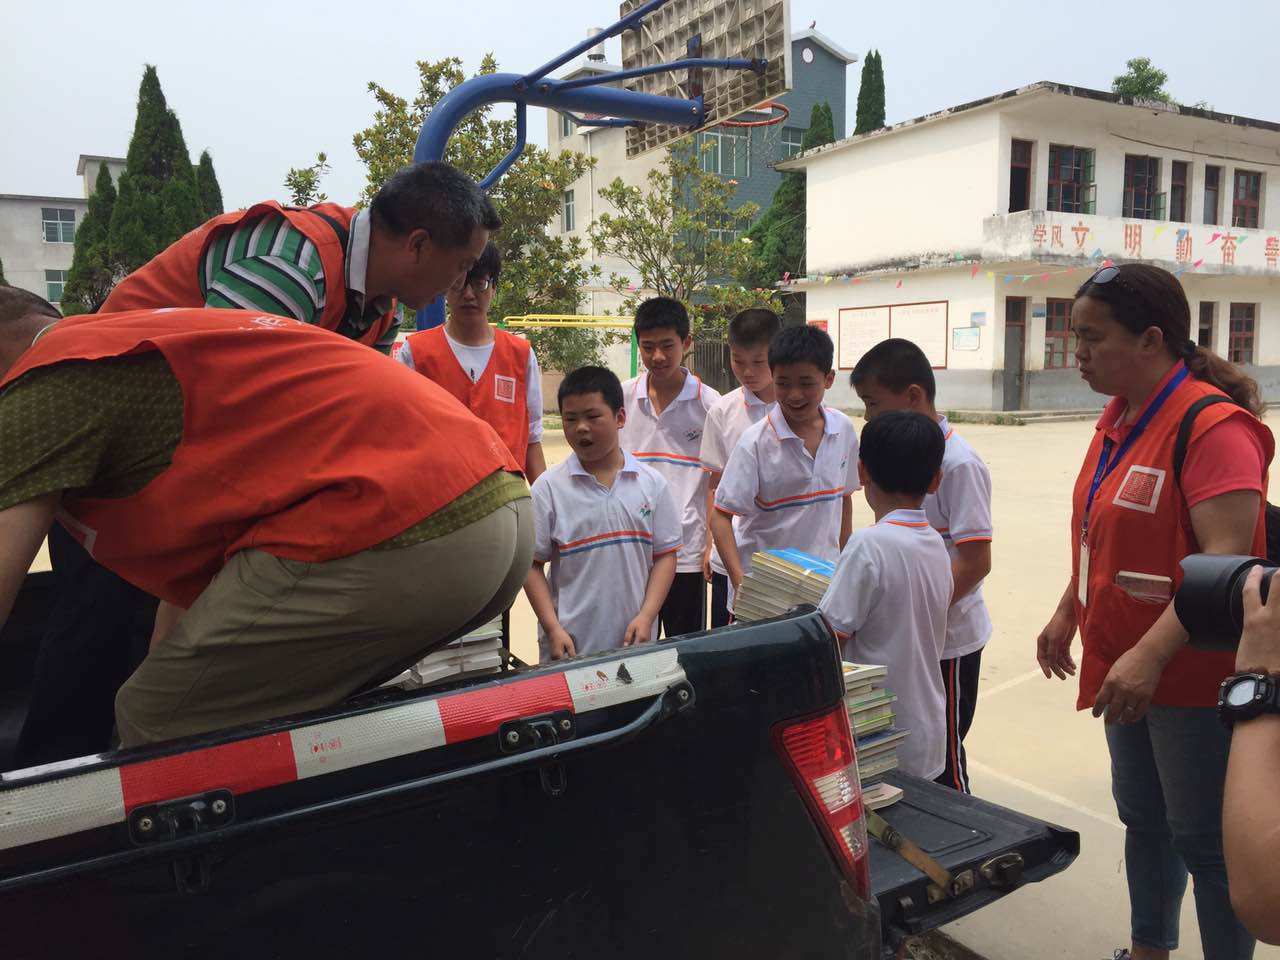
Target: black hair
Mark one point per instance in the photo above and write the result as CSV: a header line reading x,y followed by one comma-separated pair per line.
x,y
801,344
661,313
488,264
436,197
16,303
902,451
586,380
895,364
753,327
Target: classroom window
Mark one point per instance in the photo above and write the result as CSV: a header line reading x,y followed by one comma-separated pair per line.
x,y
58,224
1059,341
567,127
725,153
724,236
1212,189
1070,179
1020,176
792,138
1204,333
54,283
1178,178
1142,197
1240,344
566,212
1246,198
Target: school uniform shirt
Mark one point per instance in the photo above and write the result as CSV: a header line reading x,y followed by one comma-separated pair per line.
x,y
887,602
671,443
961,512
601,543
782,496
727,420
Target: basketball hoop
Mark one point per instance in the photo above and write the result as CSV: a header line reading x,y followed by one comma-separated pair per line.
x,y
777,118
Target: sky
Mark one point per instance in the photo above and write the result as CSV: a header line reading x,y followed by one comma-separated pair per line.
x,y
263,86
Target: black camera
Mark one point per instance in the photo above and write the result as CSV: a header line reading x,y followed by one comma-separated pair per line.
x,y
1210,601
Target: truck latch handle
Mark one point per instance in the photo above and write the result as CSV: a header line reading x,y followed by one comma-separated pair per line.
x,y
1003,872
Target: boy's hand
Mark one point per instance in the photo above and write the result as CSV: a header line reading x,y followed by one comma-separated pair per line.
x,y
707,572
639,630
561,643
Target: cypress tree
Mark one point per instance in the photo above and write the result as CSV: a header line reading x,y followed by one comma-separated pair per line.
x,y
157,200
207,184
3,282
870,111
92,273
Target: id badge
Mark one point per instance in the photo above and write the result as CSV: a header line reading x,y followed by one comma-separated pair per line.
x,y
1082,575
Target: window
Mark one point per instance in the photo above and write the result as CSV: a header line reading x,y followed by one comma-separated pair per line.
x,y
725,153
566,212
1240,342
1059,341
54,282
1204,334
1070,179
1178,191
792,138
1020,176
1142,199
59,224
1212,186
567,127
724,236
1244,204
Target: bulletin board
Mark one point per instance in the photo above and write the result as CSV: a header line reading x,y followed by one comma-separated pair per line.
x,y
860,329
924,324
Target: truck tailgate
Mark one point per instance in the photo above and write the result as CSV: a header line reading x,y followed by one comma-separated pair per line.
x,y
994,850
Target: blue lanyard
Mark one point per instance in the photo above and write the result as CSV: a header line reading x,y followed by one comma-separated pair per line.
x,y
1107,463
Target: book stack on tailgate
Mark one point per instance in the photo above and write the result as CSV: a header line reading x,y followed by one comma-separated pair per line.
x,y
478,652
871,717
780,580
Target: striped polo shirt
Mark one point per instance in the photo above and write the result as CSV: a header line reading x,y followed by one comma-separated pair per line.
x,y
267,264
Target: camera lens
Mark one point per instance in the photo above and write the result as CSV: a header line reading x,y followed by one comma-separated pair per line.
x,y
1210,600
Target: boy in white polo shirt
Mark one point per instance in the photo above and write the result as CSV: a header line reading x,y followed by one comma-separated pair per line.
x,y
608,527
888,598
896,375
666,409
789,480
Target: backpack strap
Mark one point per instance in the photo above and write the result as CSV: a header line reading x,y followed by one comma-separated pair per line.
x,y
1184,431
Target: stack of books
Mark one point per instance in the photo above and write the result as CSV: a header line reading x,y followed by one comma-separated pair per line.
x,y
871,716
780,580
476,653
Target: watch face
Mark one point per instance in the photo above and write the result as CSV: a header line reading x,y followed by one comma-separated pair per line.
x,y
1240,693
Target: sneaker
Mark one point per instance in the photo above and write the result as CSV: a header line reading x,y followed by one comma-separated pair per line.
x,y
1120,955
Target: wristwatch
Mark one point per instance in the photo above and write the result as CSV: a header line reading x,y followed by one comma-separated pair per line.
x,y
1247,695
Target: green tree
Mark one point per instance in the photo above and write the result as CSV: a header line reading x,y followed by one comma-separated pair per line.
x,y
93,272
542,272
681,233
303,183
158,200
1142,80
3,281
207,186
778,237
870,110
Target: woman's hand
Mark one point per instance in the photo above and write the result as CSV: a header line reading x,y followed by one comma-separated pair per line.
x,y
1260,641
1130,684
1053,646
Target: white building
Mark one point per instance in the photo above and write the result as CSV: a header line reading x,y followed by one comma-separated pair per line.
x,y
37,233
969,231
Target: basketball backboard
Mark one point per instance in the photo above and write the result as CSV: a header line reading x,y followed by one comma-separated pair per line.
x,y
726,29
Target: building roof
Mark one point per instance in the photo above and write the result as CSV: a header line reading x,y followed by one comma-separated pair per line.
x,y
822,40
31,196
87,158
798,162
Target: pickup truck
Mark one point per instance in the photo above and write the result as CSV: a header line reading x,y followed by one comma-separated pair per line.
x,y
692,798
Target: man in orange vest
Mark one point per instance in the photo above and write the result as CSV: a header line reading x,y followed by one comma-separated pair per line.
x,y
222,461
493,373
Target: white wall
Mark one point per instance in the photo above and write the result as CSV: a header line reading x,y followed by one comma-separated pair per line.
x,y
23,249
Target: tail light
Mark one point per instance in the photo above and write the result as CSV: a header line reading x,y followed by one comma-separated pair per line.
x,y
820,754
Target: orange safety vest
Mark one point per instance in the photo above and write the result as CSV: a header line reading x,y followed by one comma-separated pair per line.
x,y
499,398
276,453
1139,523
172,277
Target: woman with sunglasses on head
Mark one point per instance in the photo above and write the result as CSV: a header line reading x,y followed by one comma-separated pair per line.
x,y
1133,520
493,373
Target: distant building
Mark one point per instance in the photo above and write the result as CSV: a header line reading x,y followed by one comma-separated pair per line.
x,y
969,231
37,233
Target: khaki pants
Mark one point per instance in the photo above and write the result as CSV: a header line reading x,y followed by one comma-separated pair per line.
x,y
270,637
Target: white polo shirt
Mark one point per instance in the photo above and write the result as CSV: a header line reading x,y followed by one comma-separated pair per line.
x,y
782,496
671,443
601,543
727,420
888,602
961,512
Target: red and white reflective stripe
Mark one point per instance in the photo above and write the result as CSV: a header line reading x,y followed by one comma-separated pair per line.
x,y
98,798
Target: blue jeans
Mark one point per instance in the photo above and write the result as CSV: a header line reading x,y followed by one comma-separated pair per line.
x,y
1167,776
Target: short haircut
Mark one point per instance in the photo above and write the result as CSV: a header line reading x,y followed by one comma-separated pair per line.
x,y
895,364
587,380
753,327
801,344
16,303
661,313
488,264
436,197
902,451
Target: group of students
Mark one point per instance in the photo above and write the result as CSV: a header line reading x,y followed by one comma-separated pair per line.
x,y
670,484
